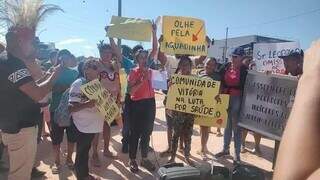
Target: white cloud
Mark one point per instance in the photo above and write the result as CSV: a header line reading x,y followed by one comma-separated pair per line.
x,y
71,41
89,47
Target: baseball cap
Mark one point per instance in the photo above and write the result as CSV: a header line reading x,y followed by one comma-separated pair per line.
x,y
239,51
293,54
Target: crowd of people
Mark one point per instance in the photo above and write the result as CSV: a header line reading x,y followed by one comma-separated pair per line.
x,y
33,95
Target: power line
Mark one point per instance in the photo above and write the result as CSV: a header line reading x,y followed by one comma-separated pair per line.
x,y
278,20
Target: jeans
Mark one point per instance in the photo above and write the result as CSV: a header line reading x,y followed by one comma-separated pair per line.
x,y
232,125
141,126
82,157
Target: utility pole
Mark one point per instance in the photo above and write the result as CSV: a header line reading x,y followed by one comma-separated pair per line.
x,y
119,14
226,46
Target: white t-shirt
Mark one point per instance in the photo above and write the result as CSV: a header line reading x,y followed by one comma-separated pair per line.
x,y
172,64
87,120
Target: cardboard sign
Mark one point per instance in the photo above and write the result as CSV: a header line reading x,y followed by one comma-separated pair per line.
x,y
266,55
182,35
220,117
267,103
105,103
193,95
130,29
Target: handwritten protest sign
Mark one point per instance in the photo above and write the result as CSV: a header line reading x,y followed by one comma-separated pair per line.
x,y
193,95
182,35
105,103
266,55
267,103
130,29
220,116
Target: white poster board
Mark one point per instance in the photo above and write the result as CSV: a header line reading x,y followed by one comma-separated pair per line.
x,y
266,55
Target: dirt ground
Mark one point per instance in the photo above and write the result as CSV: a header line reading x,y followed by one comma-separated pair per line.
x,y
117,169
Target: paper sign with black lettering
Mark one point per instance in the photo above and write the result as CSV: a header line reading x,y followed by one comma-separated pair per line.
x,y
130,28
267,103
266,55
183,35
105,103
193,95
220,116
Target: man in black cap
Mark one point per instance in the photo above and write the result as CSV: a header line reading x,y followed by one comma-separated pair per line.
x,y
293,62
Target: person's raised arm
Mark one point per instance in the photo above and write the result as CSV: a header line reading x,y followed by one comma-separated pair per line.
x,y
161,56
117,51
154,41
39,91
298,155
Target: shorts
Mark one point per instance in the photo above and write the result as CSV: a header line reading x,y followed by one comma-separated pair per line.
x,y
57,132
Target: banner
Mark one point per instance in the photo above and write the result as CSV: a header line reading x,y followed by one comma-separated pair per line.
x,y
266,55
220,117
130,29
105,103
193,95
182,35
267,103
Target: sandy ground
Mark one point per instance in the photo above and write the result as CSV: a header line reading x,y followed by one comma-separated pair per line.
x,y
117,169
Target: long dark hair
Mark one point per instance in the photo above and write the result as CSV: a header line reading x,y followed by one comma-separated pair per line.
x,y
183,59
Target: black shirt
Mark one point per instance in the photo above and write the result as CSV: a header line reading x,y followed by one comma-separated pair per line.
x,y
17,110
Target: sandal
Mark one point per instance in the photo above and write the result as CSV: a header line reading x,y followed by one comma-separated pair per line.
x,y
95,161
91,177
165,153
56,169
133,166
189,162
109,154
148,165
70,164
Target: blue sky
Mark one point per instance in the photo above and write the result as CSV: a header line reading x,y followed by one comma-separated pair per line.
x,y
82,24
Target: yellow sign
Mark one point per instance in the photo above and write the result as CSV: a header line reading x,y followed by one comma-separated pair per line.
x,y
105,103
193,95
130,29
182,35
124,83
220,116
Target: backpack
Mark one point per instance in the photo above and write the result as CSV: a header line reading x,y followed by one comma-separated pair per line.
x,y
62,116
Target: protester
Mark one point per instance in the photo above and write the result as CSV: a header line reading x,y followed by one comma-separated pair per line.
x,y
233,80
170,64
128,65
293,63
257,137
142,112
86,118
182,122
209,71
300,144
20,114
109,78
67,77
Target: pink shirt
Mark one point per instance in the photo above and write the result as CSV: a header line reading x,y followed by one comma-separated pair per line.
x,y
145,91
